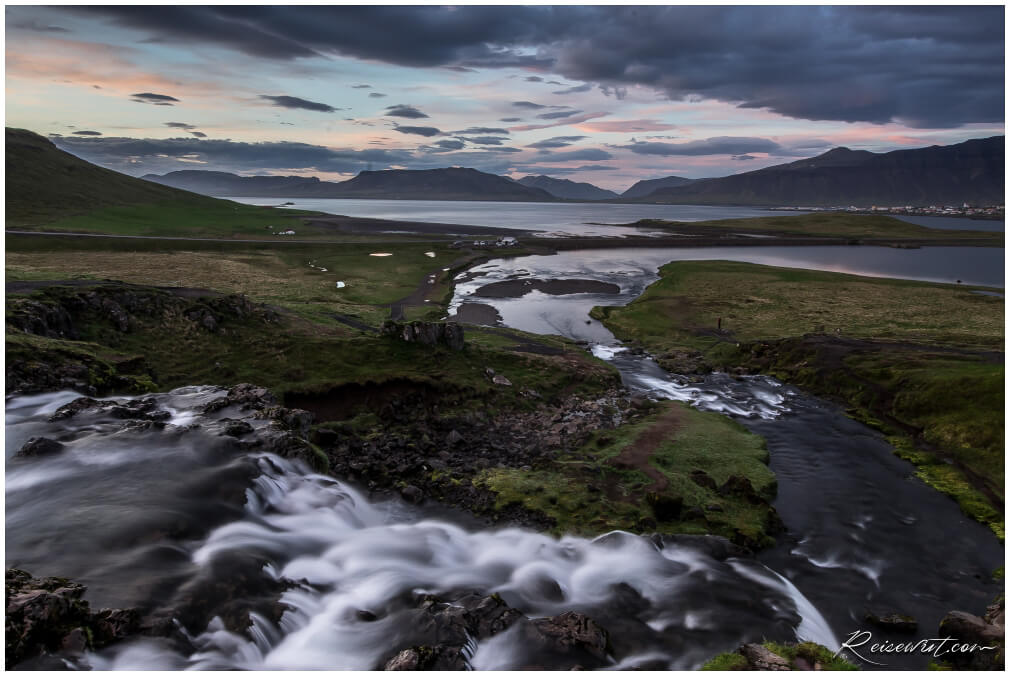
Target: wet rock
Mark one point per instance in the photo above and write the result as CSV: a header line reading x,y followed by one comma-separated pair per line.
x,y
715,546
501,380
454,438
891,619
39,446
237,428
244,395
412,494
985,635
762,659
46,616
428,658
571,635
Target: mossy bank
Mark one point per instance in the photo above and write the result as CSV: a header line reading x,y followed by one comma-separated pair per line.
x,y
921,362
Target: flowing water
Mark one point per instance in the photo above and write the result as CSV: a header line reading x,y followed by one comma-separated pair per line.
x,y
150,515
142,513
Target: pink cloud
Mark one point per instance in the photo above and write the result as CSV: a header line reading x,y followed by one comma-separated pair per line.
x,y
626,125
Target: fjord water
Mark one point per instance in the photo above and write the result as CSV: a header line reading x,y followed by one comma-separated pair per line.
x,y
163,518
563,219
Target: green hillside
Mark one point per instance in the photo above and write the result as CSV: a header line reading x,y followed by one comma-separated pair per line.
x,y
49,189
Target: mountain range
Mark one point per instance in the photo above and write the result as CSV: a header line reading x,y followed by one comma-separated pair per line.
x,y
972,171
454,183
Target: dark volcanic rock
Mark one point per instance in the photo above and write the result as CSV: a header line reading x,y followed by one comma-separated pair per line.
x,y
985,634
449,334
891,619
46,616
37,446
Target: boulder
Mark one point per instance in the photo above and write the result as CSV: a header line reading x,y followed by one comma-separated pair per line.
x,y
891,619
39,446
762,659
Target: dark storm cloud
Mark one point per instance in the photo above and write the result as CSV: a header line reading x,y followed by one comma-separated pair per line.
x,y
37,27
404,111
419,131
556,142
575,90
928,66
141,156
481,130
719,145
449,144
558,115
156,99
88,133
302,104
527,104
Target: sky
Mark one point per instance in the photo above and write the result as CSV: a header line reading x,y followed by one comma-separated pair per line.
x,y
604,94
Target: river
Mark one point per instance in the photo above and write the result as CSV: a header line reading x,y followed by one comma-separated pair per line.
x,y
183,514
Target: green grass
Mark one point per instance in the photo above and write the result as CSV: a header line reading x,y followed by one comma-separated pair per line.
x,y
812,653
269,273
849,226
586,492
933,375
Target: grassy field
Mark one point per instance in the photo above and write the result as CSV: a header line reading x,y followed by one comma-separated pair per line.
x,y
605,485
824,224
268,273
922,362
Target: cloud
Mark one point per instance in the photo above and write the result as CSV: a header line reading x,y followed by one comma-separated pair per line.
x,y
564,170
376,95
534,78
37,27
461,69
481,130
561,123
140,156
156,99
198,134
719,145
303,104
575,90
361,86
556,142
88,133
420,131
585,155
488,140
743,157
559,114
925,66
449,144
527,104
180,125
404,111
511,119
627,125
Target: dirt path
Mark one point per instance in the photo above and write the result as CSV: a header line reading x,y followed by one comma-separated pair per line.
x,y
424,289
637,454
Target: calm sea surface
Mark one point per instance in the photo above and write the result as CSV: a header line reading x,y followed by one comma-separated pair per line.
x,y
561,218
